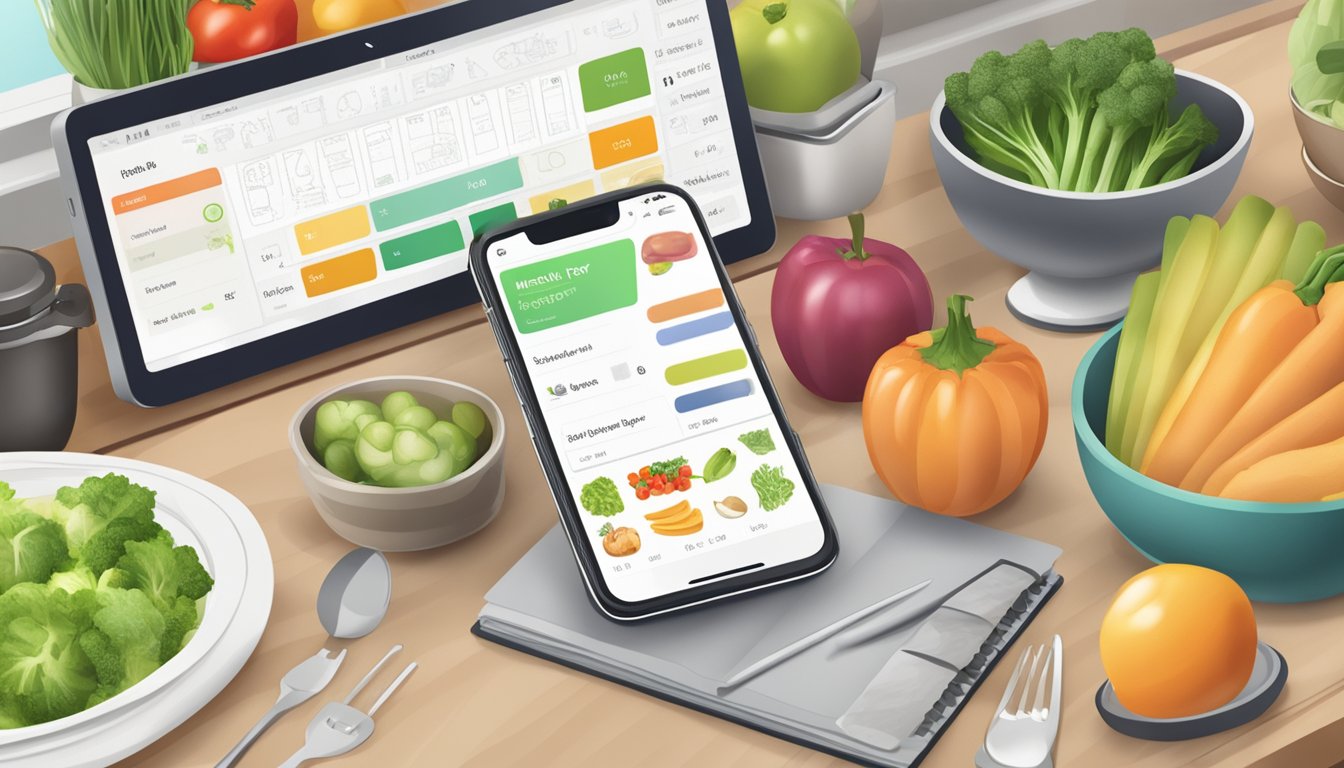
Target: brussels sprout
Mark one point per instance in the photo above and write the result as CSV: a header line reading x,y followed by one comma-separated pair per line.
x,y
338,420
459,442
339,459
470,417
417,416
401,457
397,402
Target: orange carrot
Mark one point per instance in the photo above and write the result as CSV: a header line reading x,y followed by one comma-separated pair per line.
x,y
1312,367
1308,474
1258,335
1335,497
1321,421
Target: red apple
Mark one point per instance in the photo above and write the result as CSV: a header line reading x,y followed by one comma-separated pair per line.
x,y
838,304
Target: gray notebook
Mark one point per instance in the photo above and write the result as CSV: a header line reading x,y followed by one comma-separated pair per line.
x,y
879,692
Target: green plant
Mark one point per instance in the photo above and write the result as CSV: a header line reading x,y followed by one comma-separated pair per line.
x,y
118,43
1089,115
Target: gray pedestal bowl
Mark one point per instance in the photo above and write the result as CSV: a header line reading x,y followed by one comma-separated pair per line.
x,y
1082,249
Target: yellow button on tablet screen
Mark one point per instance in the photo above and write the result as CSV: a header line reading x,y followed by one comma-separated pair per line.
x,y
332,230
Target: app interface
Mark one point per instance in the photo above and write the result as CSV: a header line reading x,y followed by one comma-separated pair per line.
x,y
668,444
259,215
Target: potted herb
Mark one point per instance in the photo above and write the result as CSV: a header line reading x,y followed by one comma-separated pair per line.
x,y
109,45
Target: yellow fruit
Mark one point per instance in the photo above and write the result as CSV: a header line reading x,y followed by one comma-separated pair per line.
x,y
340,15
693,522
680,509
1177,641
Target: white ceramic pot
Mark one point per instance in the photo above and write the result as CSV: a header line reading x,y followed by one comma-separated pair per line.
x,y
835,170
83,94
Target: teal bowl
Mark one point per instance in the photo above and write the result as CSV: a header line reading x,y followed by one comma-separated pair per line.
x,y
1278,553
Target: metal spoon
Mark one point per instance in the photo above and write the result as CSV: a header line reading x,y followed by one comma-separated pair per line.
x,y
353,598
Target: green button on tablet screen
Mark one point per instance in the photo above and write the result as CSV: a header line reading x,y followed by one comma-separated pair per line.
x,y
483,220
421,246
569,288
446,195
613,79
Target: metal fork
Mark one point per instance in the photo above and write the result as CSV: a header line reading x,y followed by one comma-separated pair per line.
x,y
299,685
1023,732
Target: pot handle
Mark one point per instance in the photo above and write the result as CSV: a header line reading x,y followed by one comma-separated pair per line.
x,y
71,309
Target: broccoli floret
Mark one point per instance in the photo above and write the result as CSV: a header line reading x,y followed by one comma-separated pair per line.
x,y
124,643
1088,115
43,672
192,579
106,547
86,510
1173,149
1077,72
1134,104
115,578
31,549
163,572
178,619
73,581
997,105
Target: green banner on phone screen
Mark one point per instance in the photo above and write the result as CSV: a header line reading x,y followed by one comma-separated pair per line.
x,y
569,288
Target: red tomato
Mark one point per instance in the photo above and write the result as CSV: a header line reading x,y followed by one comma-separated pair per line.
x,y
226,30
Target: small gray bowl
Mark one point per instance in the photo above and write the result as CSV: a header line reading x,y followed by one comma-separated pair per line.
x,y
1323,141
1084,249
404,519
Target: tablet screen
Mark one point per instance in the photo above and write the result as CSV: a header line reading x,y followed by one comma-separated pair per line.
x,y
254,216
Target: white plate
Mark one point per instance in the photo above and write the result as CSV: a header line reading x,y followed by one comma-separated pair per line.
x,y
234,551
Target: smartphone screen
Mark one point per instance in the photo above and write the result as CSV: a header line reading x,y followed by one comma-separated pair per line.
x,y
653,398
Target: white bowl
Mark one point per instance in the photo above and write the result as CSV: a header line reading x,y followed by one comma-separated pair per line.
x,y
1084,249
233,550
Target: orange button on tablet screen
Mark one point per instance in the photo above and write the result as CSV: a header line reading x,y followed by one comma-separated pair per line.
x,y
340,272
623,142
165,191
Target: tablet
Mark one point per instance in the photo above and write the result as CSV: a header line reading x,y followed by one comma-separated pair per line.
x,y
245,217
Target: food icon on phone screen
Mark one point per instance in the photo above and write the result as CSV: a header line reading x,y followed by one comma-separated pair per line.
x,y
661,250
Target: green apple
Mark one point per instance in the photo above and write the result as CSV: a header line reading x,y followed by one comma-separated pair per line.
x,y
796,55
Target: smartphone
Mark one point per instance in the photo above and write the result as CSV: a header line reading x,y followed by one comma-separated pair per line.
x,y
676,474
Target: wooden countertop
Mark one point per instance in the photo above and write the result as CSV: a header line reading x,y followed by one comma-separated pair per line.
x,y
479,704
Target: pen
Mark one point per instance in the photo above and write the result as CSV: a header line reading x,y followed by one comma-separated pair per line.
x,y
798,646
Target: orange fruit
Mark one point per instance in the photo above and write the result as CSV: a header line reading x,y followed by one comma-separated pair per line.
x,y
1178,640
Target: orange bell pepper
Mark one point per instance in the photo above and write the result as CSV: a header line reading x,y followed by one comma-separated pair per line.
x,y
1312,366
955,418
1307,474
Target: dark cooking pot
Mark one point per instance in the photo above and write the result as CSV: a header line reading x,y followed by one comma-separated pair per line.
x,y
39,354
